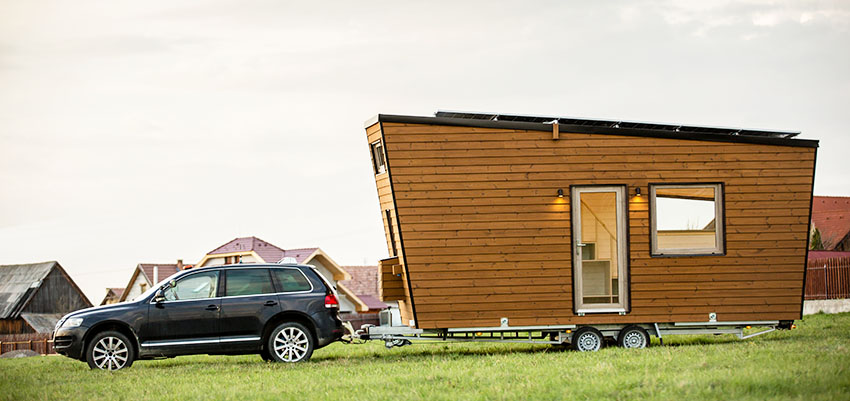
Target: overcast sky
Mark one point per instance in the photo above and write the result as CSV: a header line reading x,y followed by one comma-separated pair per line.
x,y
147,131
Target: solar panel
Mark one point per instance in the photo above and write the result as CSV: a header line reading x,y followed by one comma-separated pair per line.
x,y
586,122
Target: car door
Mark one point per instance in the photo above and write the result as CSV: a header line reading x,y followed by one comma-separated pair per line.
x,y
187,320
296,291
249,302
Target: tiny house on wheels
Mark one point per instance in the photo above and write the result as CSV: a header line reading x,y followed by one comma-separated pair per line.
x,y
564,230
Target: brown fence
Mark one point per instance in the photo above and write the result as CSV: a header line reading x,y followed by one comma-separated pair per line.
x,y
38,342
828,278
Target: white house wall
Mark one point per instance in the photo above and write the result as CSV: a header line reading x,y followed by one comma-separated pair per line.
x,y
136,287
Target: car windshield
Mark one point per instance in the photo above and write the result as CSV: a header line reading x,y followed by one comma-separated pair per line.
x,y
153,289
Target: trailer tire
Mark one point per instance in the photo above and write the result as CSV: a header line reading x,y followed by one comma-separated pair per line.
x,y
587,339
633,337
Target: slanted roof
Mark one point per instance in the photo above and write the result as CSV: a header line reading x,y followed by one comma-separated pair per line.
x,y
828,254
373,303
42,322
364,280
269,252
112,293
603,127
165,270
17,285
831,216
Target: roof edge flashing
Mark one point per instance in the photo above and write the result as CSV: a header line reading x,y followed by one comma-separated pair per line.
x,y
603,130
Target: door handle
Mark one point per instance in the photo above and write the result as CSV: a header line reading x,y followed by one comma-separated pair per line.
x,y
212,307
581,245
270,303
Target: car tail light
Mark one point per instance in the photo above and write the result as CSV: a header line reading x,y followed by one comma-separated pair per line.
x,y
331,301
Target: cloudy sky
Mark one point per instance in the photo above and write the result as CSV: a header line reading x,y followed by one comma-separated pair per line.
x,y
147,131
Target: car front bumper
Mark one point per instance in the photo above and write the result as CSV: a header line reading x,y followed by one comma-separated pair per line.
x,y
69,341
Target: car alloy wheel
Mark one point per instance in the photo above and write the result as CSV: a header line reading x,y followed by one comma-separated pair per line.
x,y
291,342
110,350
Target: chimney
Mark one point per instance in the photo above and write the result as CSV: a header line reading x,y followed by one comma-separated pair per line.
x,y
155,275
179,264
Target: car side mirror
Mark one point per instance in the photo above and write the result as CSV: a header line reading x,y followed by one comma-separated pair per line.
x,y
158,297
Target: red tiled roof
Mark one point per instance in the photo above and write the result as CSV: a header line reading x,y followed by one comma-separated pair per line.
x,y
364,280
372,302
165,270
269,252
828,254
831,216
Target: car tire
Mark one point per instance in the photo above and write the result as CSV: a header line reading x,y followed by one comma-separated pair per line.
x,y
290,342
633,337
110,350
587,339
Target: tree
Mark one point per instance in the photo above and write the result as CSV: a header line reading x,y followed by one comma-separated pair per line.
x,y
815,242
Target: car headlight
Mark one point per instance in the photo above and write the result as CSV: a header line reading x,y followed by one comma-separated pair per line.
x,y
73,322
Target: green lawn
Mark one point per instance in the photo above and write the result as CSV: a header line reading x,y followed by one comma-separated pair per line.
x,y
811,362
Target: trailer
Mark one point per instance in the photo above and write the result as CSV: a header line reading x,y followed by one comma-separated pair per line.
x,y
575,231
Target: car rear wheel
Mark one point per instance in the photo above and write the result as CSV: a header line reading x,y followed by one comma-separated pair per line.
x,y
110,350
290,342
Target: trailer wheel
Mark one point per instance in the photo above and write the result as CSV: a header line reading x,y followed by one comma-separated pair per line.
x,y
587,339
633,337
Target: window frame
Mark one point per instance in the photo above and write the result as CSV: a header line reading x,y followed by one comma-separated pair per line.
x,y
719,221
279,287
167,284
377,148
268,273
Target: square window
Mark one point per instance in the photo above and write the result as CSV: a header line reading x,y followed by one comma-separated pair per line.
x,y
378,162
686,219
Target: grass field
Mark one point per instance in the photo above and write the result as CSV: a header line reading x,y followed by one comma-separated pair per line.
x,y
811,362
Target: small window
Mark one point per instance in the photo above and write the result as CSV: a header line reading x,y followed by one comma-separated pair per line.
x,y
378,161
392,233
248,282
687,219
195,286
291,280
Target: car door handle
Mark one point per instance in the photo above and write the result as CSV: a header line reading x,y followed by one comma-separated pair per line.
x,y
270,303
212,307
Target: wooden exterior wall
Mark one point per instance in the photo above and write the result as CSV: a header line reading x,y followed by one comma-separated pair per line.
x,y
57,294
484,235
385,198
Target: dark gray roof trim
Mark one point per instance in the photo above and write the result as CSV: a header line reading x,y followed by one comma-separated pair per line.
x,y
606,127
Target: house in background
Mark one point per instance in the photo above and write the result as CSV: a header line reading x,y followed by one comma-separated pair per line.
x,y
255,250
113,295
33,297
146,275
831,224
364,283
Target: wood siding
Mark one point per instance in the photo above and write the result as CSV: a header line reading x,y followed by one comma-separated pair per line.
x,y
486,237
56,294
385,198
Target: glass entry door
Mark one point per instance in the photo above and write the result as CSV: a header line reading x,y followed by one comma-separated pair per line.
x,y
599,249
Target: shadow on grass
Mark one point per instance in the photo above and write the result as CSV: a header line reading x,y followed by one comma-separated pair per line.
x,y
425,351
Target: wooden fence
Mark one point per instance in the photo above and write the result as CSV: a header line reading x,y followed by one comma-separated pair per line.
x,y
828,278
38,342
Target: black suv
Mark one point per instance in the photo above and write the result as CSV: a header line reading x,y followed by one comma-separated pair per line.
x,y
282,312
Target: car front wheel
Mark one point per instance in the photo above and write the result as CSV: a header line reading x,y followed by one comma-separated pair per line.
x,y
110,350
290,342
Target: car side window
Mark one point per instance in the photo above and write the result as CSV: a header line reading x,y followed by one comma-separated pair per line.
x,y
247,282
291,280
195,286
